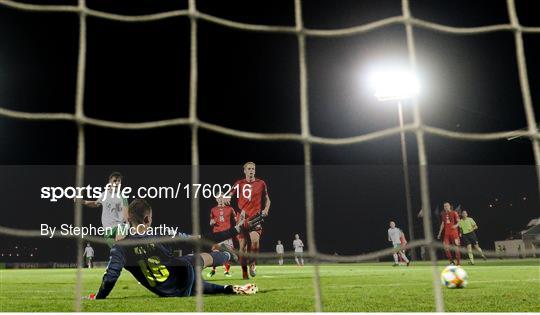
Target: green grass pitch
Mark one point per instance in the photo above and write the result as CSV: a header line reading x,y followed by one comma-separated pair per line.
x,y
494,286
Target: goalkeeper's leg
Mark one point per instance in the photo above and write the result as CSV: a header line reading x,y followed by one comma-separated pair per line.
x,y
212,288
213,259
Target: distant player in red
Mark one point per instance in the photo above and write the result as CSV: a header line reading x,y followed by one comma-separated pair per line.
x,y
222,218
252,195
450,224
402,239
403,242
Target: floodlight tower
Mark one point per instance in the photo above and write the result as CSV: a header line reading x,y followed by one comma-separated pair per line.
x,y
397,86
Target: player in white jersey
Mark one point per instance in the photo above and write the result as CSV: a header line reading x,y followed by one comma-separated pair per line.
x,y
298,250
114,209
279,252
394,236
89,255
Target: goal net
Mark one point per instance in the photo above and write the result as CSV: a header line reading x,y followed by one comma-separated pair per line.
x,y
305,137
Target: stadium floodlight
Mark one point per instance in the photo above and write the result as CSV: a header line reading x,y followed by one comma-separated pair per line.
x,y
395,85
398,85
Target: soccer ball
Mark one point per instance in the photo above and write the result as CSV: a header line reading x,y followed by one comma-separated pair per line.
x,y
454,277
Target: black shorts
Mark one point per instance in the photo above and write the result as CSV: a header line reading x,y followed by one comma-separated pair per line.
x,y
470,238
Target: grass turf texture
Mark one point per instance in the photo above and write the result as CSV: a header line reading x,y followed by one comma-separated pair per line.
x,y
494,286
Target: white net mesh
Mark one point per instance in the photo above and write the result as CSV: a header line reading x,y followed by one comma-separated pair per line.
x,y
305,137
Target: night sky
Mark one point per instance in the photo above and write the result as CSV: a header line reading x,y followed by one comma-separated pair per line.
x,y
250,81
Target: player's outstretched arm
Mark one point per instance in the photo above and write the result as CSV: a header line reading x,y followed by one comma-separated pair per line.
x,y
440,230
227,198
267,201
266,206
114,269
89,203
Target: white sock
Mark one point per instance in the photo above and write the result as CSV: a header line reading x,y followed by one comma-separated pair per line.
x,y
395,258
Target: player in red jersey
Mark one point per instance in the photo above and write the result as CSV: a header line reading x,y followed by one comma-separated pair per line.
x,y
403,243
450,224
251,193
222,218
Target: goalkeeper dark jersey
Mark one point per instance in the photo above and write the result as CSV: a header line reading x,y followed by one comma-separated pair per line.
x,y
154,266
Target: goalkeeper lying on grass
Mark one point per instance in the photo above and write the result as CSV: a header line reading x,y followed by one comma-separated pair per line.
x,y
155,267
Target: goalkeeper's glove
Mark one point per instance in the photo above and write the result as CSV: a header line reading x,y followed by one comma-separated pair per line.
x,y
255,222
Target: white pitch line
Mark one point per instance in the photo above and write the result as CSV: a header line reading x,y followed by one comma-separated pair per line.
x,y
416,284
